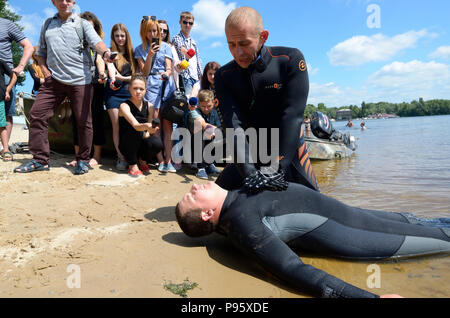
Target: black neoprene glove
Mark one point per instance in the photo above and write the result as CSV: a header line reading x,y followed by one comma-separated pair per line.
x,y
259,181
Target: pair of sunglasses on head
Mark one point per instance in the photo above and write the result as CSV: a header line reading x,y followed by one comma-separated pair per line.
x,y
153,18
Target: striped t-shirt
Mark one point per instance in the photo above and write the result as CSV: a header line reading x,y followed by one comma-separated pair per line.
x,y
9,32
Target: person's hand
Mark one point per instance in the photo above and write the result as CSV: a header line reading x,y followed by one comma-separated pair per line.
x,y
184,52
102,78
259,181
47,74
113,87
19,69
7,96
391,296
154,48
178,68
165,76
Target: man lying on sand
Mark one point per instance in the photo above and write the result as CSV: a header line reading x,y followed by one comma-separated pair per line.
x,y
270,225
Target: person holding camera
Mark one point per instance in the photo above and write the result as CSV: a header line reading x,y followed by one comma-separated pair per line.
x,y
65,59
155,60
137,140
117,88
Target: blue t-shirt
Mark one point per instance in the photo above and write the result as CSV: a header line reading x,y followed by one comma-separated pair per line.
x,y
154,82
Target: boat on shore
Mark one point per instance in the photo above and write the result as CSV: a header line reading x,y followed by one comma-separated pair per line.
x,y
60,133
322,149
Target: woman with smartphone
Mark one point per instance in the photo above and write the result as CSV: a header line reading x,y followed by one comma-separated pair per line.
x,y
117,88
155,60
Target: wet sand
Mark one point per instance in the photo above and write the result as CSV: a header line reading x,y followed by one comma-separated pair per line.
x,y
122,234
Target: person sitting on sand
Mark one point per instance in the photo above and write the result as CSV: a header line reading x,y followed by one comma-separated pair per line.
x,y
137,141
204,120
270,225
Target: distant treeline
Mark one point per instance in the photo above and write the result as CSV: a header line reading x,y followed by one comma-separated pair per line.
x,y
415,108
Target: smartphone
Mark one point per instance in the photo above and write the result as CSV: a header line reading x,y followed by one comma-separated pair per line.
x,y
113,55
155,40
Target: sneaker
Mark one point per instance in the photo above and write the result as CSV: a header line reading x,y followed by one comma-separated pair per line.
x,y
162,167
212,169
81,168
121,165
201,173
170,168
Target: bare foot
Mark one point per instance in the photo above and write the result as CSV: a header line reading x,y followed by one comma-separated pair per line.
x,y
93,162
73,163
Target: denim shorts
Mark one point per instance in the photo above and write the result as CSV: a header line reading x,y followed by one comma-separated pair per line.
x,y
10,106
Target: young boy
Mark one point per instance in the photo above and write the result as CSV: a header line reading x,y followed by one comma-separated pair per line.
x,y
4,97
206,118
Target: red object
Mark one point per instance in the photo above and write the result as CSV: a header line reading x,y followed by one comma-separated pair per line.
x,y
190,53
136,173
144,168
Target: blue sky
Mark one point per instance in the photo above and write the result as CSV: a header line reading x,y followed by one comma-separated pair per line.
x,y
356,50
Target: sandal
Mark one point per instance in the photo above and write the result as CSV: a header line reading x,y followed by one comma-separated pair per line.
x,y
31,166
7,156
135,173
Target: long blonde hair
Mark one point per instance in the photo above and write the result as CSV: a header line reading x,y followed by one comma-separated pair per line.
x,y
35,65
127,58
146,26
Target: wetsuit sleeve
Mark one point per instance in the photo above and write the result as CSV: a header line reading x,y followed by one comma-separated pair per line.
x,y
232,119
295,95
278,258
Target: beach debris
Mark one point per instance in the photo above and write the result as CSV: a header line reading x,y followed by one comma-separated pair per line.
x,y
180,289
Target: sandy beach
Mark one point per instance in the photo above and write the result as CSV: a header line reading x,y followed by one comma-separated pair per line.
x,y
122,235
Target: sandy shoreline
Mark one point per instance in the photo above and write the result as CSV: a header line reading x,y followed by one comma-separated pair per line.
x,y
122,234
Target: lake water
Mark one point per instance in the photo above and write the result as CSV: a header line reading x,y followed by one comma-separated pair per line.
x,y
401,164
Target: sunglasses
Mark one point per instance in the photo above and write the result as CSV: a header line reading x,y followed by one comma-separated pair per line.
x,y
146,18
186,23
164,31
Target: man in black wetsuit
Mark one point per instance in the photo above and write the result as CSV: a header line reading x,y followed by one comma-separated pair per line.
x,y
269,226
263,87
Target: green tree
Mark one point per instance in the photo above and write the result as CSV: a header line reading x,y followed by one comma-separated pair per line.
x,y
15,47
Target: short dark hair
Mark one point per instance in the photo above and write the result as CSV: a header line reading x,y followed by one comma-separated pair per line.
x,y
191,222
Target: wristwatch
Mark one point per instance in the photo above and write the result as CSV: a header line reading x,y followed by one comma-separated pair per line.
x,y
103,55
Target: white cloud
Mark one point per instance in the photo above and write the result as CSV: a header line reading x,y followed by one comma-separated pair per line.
x,y
407,81
442,52
396,82
363,49
332,95
216,44
210,16
49,12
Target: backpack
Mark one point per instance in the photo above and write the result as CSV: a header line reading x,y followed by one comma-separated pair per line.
x,y
83,43
176,105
